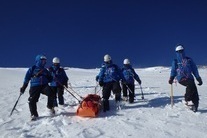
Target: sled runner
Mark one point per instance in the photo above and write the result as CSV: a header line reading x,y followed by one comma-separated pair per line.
x,y
90,106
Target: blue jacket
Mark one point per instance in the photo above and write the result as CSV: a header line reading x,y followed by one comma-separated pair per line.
x,y
129,74
38,74
183,68
59,76
109,72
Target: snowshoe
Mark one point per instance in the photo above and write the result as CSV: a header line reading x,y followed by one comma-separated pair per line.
x,y
120,105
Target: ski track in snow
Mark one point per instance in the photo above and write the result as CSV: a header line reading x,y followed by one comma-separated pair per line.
x,y
148,118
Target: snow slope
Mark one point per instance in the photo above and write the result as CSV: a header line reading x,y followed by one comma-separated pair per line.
x,y
149,118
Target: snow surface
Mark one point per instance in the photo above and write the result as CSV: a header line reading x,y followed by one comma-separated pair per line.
x,y
149,118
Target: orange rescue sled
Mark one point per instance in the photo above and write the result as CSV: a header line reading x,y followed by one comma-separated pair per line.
x,y
90,106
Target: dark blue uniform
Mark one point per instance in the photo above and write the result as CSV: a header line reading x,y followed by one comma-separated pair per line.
x,y
39,78
128,84
109,77
184,69
59,79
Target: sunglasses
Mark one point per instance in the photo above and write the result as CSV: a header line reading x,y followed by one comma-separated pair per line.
x,y
179,51
56,64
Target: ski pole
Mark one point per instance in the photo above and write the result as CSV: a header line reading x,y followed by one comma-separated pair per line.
x,y
72,94
141,91
15,104
70,91
96,91
129,88
171,96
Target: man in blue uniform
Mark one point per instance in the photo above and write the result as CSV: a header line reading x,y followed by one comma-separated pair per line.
x,y
39,78
184,69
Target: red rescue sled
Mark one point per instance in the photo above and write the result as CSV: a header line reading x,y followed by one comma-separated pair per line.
x,y
90,106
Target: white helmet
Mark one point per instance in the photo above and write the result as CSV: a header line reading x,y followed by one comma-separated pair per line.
x,y
107,58
56,60
179,48
126,61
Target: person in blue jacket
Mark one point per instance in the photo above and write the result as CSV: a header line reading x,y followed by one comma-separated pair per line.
x,y
128,85
60,80
108,78
39,78
184,69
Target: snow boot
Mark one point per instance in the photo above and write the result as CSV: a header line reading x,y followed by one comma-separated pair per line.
x,y
125,98
191,106
52,111
33,117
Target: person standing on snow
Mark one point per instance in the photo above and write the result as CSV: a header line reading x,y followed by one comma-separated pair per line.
x,y
60,80
183,68
128,85
39,78
108,78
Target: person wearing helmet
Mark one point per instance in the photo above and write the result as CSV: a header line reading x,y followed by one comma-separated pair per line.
x,y
108,78
39,78
60,80
128,85
184,69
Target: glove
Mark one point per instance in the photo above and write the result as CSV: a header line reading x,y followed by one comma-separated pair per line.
x,y
123,82
97,77
66,84
171,80
139,81
101,83
23,88
199,81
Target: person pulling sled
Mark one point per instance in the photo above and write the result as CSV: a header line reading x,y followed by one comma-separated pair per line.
x,y
108,78
128,85
60,79
39,78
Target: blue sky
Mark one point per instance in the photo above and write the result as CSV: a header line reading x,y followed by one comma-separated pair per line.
x,y
80,33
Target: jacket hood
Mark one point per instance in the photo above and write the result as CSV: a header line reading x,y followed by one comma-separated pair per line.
x,y
40,61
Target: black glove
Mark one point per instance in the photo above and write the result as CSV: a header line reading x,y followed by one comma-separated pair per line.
x,y
66,85
139,81
199,81
171,80
23,88
97,77
101,83
123,83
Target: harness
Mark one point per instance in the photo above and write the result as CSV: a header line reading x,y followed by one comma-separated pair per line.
x,y
37,74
